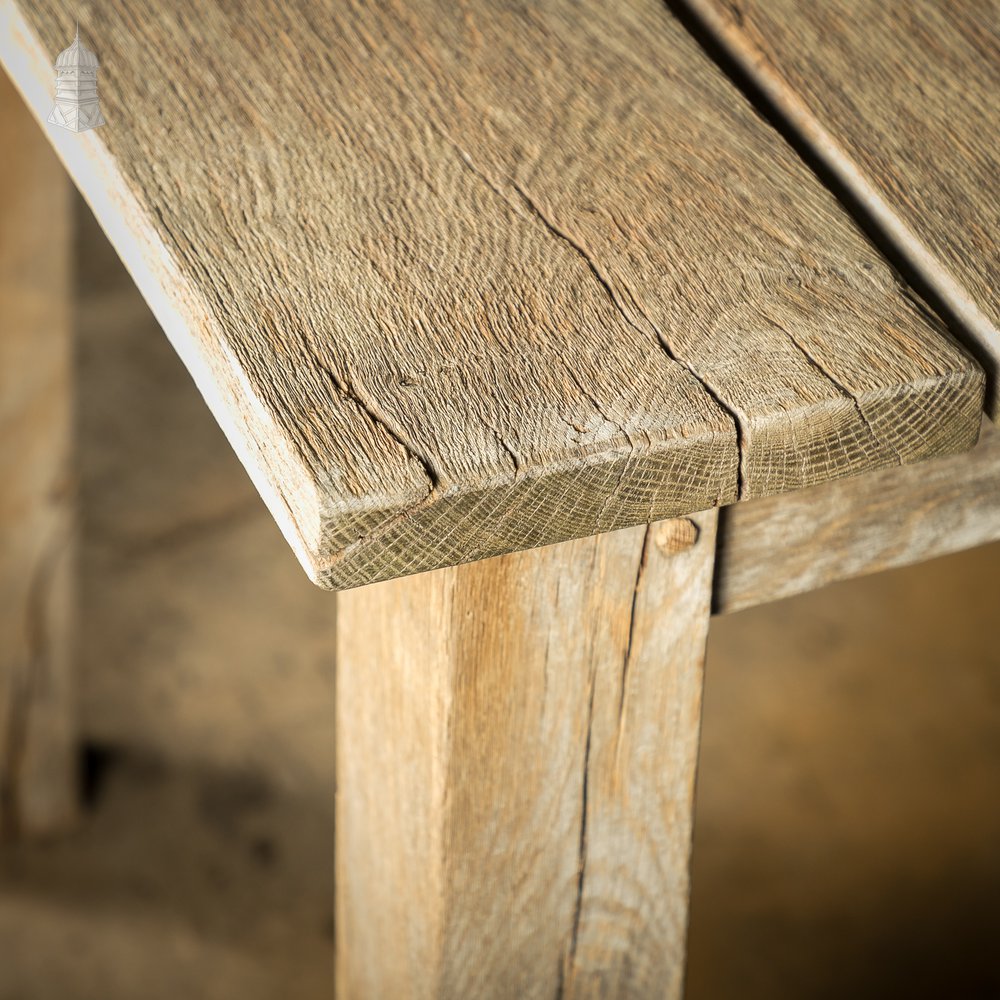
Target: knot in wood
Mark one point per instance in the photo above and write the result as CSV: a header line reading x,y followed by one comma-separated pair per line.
x,y
675,535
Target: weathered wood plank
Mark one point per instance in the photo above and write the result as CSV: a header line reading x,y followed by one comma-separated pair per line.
x,y
900,101
460,279
37,711
516,744
780,546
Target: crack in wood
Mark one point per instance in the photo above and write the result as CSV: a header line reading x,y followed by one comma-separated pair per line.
x,y
837,384
661,338
349,391
582,847
627,658
560,234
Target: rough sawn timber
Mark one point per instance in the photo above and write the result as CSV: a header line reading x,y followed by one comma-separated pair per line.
x,y
516,749
900,101
779,546
460,279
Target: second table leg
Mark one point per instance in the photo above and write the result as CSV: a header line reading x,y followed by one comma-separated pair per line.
x,y
37,710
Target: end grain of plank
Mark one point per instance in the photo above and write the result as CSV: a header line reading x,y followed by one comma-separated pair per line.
x,y
464,279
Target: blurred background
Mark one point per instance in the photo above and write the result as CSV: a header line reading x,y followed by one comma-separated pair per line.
x,y
848,808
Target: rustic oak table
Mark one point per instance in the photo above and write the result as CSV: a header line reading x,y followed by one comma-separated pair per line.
x,y
523,296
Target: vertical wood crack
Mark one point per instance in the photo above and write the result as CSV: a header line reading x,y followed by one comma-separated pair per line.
x,y
627,658
567,965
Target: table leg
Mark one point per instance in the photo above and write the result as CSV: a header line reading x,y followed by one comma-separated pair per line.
x,y
516,749
37,742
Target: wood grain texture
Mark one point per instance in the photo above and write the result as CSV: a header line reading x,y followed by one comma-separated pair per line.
x,y
516,744
460,279
900,101
37,710
779,546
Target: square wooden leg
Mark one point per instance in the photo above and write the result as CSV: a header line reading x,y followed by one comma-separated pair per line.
x,y
516,750
37,736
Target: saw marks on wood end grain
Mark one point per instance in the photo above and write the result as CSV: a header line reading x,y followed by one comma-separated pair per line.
x,y
466,279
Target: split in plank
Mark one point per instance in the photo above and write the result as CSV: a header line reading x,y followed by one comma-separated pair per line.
x,y
465,279
902,102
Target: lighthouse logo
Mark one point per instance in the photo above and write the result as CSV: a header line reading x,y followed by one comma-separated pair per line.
x,y
76,106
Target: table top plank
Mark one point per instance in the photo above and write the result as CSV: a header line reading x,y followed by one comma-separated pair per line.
x,y
902,102
462,279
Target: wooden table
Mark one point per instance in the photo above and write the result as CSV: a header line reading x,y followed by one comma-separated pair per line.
x,y
522,296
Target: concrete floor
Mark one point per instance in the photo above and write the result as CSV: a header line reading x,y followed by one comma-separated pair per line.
x,y
848,808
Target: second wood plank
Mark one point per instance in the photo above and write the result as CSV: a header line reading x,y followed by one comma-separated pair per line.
x,y
900,102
